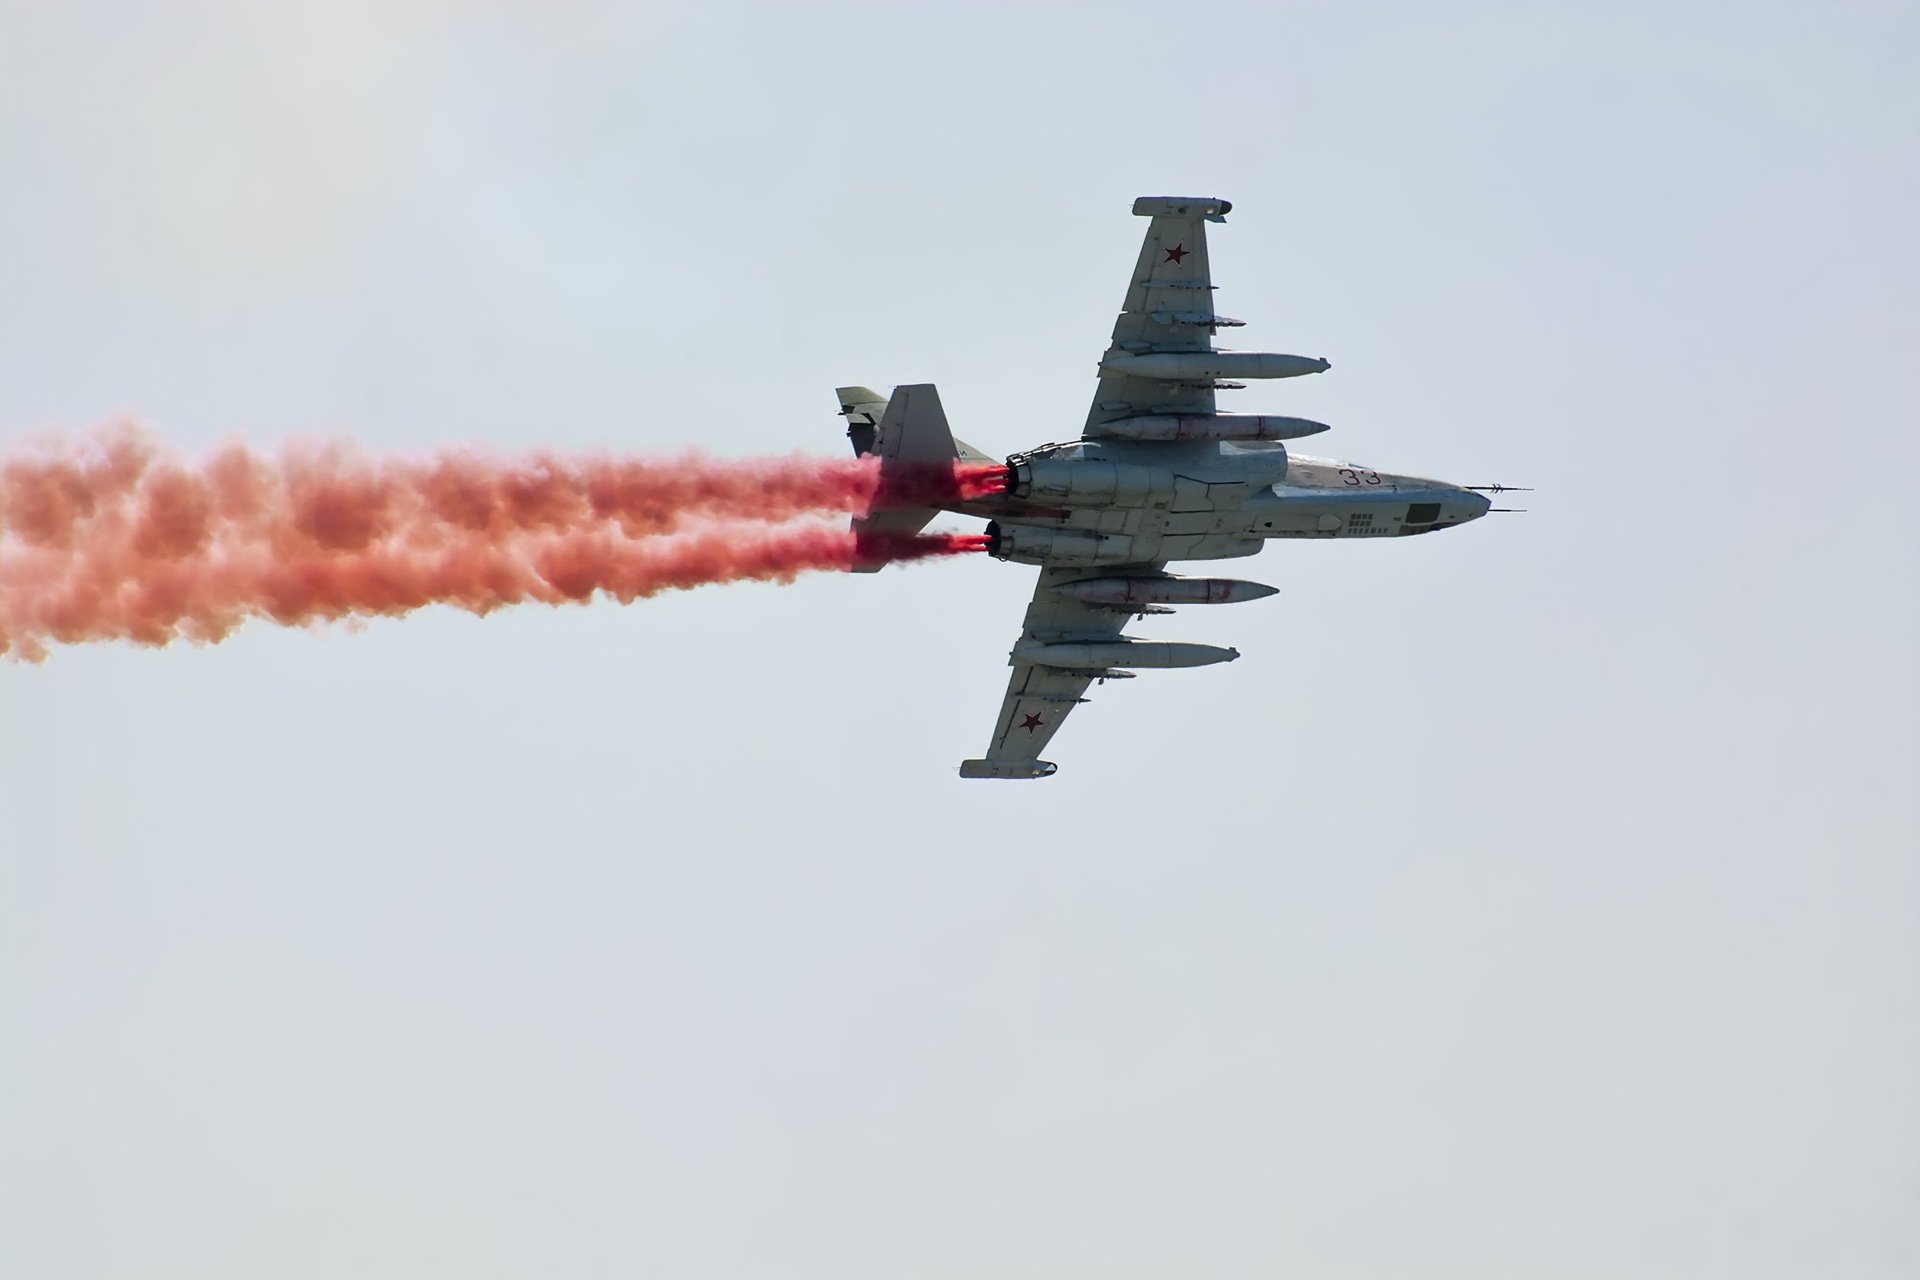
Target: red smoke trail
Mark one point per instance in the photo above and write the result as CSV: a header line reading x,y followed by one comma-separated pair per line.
x,y
115,538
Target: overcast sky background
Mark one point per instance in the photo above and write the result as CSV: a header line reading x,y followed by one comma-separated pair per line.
x,y
1540,900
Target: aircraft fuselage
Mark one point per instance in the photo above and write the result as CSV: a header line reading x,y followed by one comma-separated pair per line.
x,y
1115,502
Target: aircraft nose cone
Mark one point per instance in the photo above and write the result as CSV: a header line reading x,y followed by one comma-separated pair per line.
x,y
1476,504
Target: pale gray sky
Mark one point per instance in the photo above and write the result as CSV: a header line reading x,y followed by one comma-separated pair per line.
x,y
1541,900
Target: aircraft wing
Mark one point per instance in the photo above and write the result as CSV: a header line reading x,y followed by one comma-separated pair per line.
x,y
1168,307
1039,698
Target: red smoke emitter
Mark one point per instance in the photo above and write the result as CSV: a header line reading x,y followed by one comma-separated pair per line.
x,y
115,537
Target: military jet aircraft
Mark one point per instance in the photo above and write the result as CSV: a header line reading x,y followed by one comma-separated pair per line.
x,y
1159,474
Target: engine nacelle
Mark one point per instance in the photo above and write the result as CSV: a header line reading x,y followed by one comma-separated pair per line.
x,y
1030,544
1089,482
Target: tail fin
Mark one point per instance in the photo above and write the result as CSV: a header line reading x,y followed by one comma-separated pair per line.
x,y
911,426
865,410
914,427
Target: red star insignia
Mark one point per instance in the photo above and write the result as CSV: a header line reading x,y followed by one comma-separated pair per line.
x,y
1176,253
1030,723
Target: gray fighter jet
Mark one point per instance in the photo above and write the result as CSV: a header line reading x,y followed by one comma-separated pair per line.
x,y
1159,474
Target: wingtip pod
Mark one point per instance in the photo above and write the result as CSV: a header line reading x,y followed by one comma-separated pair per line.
x,y
1008,768
1212,208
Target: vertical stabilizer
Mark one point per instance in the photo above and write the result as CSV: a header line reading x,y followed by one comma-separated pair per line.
x,y
914,427
909,427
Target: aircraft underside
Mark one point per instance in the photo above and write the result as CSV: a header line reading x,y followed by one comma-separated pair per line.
x,y
1159,475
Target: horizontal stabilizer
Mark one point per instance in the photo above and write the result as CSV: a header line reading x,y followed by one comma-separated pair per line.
x,y
1007,768
861,407
872,534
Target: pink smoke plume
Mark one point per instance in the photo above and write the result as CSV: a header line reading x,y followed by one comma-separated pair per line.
x,y
115,537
